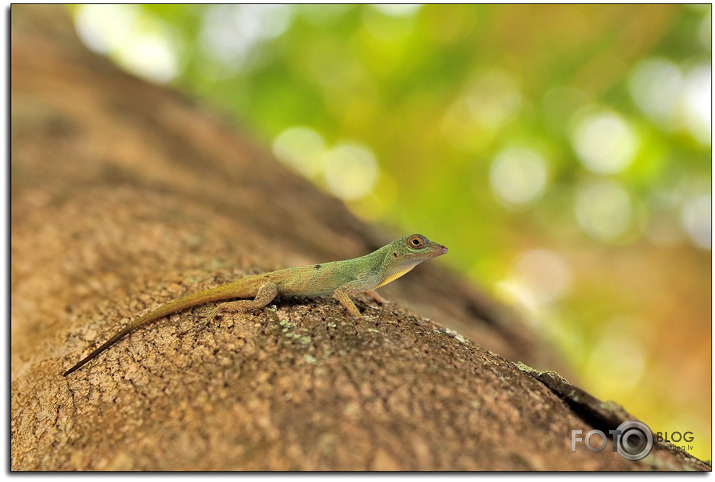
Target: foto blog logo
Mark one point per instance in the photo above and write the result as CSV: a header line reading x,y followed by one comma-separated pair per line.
x,y
633,440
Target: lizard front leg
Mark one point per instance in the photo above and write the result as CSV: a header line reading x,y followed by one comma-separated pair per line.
x,y
344,299
343,293
266,293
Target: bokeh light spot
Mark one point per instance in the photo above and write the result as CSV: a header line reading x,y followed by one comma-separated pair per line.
x,y
139,42
604,142
697,103
655,85
301,148
105,27
673,99
151,56
230,33
696,219
622,358
350,171
397,9
544,273
518,175
603,210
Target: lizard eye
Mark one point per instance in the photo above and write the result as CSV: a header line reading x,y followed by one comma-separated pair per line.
x,y
415,241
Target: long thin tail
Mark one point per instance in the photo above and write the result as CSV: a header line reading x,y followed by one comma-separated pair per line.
x,y
200,298
99,350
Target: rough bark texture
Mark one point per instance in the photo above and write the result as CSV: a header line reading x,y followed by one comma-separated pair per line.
x,y
126,195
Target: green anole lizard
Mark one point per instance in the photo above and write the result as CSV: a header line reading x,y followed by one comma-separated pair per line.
x,y
338,278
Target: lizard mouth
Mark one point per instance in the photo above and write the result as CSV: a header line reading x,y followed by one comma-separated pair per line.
x,y
440,250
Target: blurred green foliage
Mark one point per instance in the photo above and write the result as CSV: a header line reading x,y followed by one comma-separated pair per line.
x,y
562,152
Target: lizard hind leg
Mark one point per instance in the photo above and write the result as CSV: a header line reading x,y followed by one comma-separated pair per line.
x,y
376,296
343,296
266,293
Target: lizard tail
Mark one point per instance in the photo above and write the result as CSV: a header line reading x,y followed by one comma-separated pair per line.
x,y
99,350
207,296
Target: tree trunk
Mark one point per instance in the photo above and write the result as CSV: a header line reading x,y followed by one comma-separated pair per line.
x,y
126,195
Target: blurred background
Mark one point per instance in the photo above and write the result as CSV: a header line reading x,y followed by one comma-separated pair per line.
x,y
562,152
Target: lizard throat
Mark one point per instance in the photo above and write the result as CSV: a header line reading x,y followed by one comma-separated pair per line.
x,y
394,276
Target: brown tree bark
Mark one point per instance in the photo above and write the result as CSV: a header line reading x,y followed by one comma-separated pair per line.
x,y
126,195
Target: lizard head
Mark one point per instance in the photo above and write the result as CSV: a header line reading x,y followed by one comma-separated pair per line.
x,y
404,254
415,249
